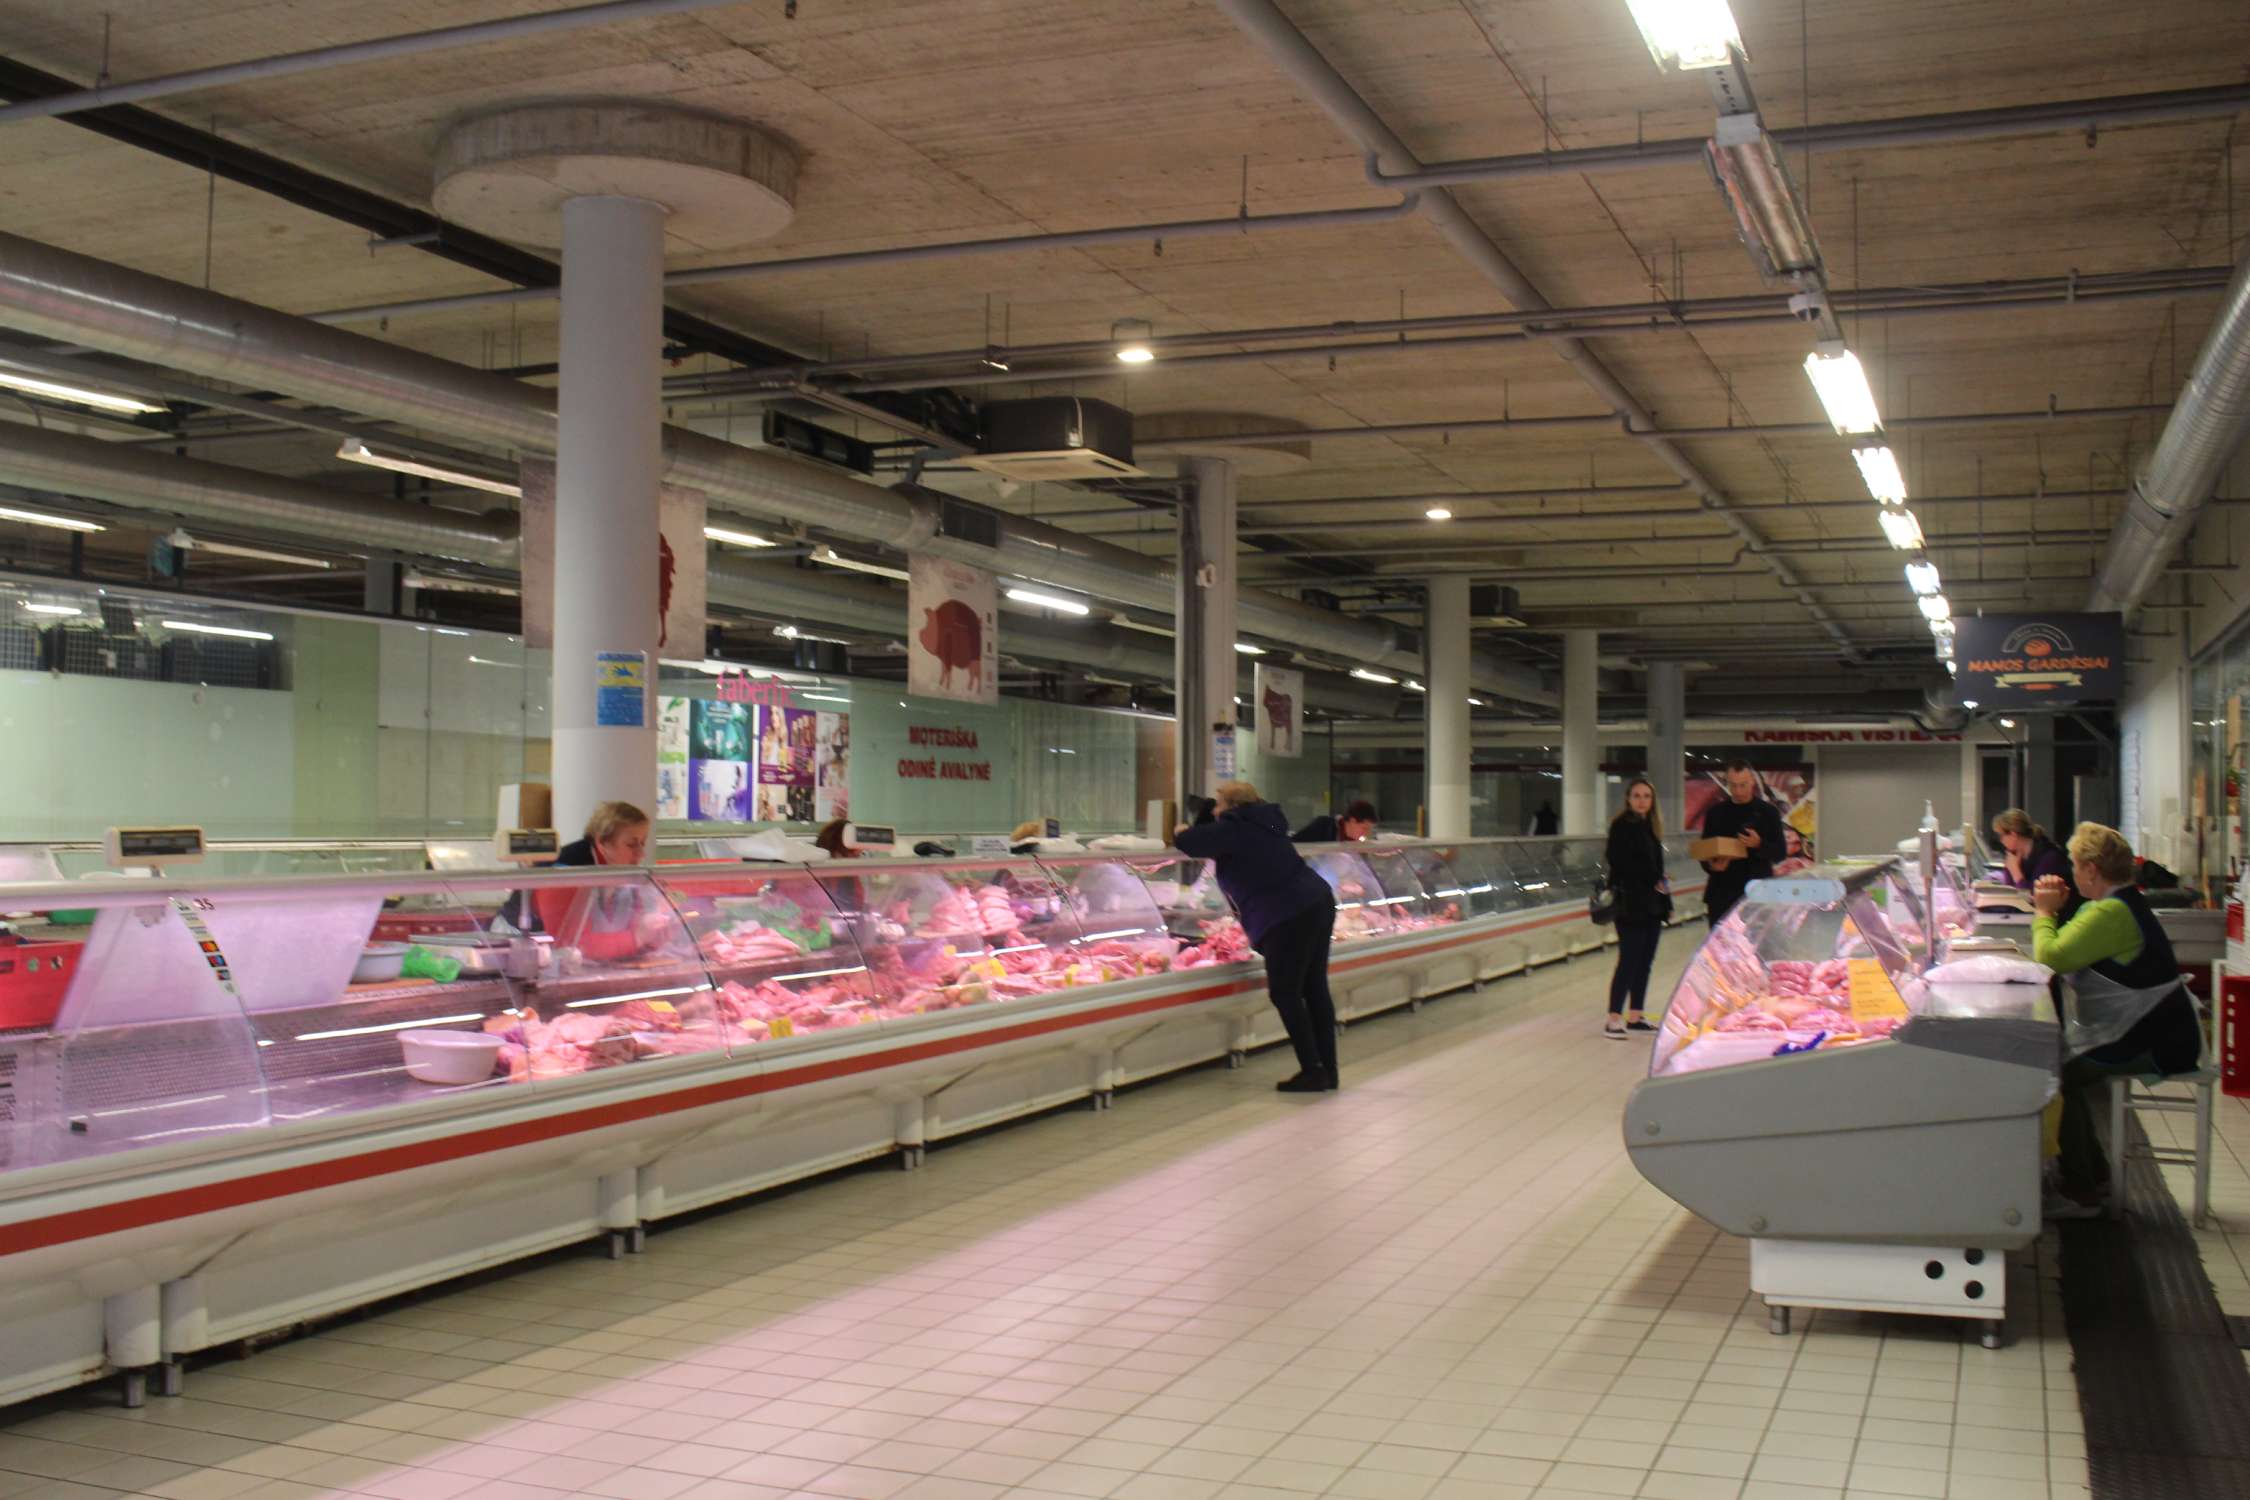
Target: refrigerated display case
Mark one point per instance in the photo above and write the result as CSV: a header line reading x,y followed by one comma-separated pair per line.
x,y
1874,1134
233,1105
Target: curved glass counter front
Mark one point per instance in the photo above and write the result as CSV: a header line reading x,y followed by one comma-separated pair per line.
x,y
142,1013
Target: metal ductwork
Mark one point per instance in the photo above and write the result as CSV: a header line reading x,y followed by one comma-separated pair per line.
x,y
2208,423
132,476
83,301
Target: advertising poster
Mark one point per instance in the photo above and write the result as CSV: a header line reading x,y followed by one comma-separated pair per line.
x,y
1789,788
785,765
2039,661
1281,711
832,767
621,689
673,777
681,585
953,640
719,740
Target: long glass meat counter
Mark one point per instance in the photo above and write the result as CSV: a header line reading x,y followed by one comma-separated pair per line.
x,y
142,1013
1874,1132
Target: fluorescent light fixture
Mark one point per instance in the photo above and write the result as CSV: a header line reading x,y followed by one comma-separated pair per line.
x,y
352,450
193,628
1900,527
1249,650
1687,34
52,609
1842,387
1757,188
2007,723
735,538
1935,607
1366,676
486,661
1878,466
1415,687
1476,703
1922,577
835,559
187,543
1132,336
1050,601
824,697
1968,703
41,518
77,395
322,1036
1952,668
1438,513
446,583
1127,622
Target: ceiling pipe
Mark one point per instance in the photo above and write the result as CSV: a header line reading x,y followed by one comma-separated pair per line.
x,y
133,476
382,49
56,294
2209,423
2079,115
1069,239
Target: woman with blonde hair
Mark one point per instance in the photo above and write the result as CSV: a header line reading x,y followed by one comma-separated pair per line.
x,y
1643,901
2132,1016
605,922
1287,912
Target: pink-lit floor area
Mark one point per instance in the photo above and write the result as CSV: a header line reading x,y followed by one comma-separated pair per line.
x,y
1445,1283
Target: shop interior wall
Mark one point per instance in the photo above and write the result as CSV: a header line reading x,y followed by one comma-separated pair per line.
x,y
1872,797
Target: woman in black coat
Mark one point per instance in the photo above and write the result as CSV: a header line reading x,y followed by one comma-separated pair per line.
x,y
1644,900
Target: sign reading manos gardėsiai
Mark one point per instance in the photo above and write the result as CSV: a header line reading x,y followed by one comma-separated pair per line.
x,y
2039,661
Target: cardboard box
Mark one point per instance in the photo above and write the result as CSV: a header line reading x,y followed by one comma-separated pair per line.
x,y
1718,849
527,804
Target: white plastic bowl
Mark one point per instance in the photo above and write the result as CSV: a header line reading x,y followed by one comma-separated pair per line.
x,y
379,962
454,1057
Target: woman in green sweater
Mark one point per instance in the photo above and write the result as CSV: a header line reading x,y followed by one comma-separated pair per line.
x,y
2135,1018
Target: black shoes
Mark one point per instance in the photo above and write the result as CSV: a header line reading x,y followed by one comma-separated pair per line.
x,y
1306,1083
1638,1026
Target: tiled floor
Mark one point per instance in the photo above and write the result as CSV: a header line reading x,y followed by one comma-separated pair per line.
x,y
1445,1283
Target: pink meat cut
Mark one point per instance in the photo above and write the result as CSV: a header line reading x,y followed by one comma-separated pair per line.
x,y
955,636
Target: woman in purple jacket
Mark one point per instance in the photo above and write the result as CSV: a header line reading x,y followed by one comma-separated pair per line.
x,y
2031,854
1287,912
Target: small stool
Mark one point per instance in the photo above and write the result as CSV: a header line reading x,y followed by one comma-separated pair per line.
x,y
2160,1093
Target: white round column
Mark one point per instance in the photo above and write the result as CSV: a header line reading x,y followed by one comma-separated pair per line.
x,y
1581,722
1446,642
607,461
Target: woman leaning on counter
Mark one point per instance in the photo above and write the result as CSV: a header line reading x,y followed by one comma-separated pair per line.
x,y
605,923
2030,853
2133,1016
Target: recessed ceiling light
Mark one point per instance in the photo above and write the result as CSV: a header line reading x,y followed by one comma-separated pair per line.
x,y
1438,513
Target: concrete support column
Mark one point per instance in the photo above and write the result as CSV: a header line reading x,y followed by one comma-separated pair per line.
x,y
1203,656
1667,735
2040,793
1446,641
1581,751
607,463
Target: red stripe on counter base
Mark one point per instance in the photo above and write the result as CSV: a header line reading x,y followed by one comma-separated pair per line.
x,y
183,1203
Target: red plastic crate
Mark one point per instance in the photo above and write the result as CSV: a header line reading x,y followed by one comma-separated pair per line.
x,y
33,979
2234,1035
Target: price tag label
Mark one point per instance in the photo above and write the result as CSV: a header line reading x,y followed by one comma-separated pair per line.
x,y
1874,997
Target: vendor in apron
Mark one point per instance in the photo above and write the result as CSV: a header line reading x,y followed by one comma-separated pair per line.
x,y
2130,1014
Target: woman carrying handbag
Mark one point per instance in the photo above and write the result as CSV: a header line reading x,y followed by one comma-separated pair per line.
x,y
1641,900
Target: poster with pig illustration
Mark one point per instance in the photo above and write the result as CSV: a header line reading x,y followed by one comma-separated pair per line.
x,y
952,631
1281,711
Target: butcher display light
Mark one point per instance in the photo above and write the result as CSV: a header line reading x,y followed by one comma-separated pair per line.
x,y
1878,466
352,450
1922,576
1050,601
76,395
42,518
1687,34
1900,528
1842,387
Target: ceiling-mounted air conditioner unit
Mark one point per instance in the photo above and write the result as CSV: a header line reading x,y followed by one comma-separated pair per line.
x,y
1056,438
1494,606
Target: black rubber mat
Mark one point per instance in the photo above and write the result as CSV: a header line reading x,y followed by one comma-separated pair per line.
x,y
2161,1380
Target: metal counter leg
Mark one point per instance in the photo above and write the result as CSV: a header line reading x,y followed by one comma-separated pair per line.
x,y
1777,1319
1992,1334
135,1386
169,1377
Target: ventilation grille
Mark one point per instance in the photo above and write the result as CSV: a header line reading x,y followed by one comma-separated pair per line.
x,y
19,648
219,663
90,653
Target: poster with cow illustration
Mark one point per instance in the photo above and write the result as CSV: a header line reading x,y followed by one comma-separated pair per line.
x,y
952,631
1281,711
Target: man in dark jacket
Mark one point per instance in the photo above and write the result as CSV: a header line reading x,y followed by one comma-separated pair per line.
x,y
1288,913
1751,819
1347,827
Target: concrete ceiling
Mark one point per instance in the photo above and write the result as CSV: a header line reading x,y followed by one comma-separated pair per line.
x,y
921,121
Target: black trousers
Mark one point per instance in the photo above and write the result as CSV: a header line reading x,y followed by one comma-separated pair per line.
x,y
1296,955
2169,1039
1636,955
